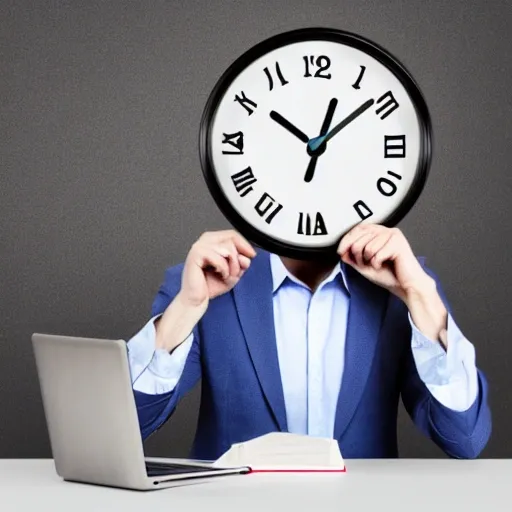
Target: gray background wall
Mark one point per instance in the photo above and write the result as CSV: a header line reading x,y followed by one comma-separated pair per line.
x,y
101,189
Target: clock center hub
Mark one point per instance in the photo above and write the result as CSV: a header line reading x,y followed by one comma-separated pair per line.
x,y
320,150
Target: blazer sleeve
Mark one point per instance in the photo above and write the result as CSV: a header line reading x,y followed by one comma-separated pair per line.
x,y
154,410
461,435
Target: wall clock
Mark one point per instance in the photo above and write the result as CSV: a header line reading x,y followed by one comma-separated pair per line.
x,y
309,133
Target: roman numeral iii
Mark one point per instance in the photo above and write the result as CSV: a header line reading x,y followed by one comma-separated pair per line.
x,y
394,146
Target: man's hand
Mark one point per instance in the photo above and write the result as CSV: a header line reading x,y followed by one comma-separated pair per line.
x,y
383,256
214,265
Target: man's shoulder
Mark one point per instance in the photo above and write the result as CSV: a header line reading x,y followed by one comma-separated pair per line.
x,y
174,271
172,277
428,270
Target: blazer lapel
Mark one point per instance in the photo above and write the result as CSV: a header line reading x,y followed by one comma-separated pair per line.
x,y
366,312
253,300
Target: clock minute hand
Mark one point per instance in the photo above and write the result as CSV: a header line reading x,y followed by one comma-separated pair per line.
x,y
279,119
310,171
328,116
315,143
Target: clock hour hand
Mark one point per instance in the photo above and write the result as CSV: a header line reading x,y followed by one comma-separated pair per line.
x,y
315,143
279,119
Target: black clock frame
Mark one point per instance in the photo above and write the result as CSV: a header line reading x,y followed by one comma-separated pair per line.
x,y
308,34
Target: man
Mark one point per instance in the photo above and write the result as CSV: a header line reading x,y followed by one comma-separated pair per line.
x,y
321,349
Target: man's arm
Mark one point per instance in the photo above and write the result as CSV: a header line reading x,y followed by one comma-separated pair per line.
x,y
442,389
161,378
165,358
154,370
384,256
444,358
446,367
159,351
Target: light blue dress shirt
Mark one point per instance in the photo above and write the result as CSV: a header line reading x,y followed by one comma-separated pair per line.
x,y
309,330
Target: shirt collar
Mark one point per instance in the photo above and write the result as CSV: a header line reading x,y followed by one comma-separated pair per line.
x,y
280,273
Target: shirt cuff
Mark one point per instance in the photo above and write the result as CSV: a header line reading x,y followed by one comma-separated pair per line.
x,y
141,348
450,374
155,371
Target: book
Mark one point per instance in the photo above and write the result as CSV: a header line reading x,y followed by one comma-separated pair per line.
x,y
285,452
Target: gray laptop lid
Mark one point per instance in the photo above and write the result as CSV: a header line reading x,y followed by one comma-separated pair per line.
x,y
90,409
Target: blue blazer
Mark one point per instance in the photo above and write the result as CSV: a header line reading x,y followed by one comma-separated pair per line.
x,y
234,354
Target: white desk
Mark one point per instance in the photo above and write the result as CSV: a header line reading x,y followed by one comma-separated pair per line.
x,y
373,485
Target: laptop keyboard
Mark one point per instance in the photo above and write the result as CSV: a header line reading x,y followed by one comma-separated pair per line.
x,y
170,468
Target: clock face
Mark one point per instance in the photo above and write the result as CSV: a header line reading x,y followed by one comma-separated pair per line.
x,y
310,133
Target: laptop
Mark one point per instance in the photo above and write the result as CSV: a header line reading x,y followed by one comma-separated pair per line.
x,y
92,418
